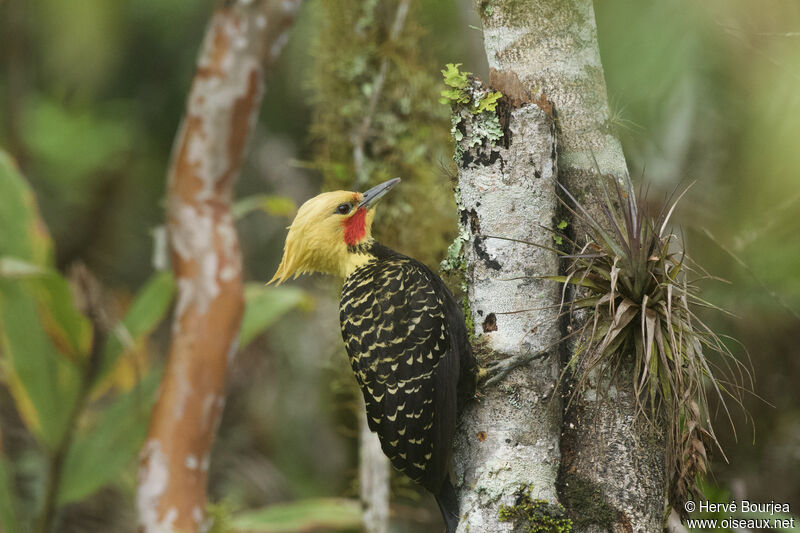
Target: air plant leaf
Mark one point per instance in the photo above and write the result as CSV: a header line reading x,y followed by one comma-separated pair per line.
x,y
564,279
626,311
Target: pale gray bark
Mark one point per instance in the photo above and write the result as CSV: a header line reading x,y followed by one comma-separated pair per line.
x,y
551,45
613,466
507,442
373,477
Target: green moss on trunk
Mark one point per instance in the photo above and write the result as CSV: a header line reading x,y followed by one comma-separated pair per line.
x,y
585,503
534,515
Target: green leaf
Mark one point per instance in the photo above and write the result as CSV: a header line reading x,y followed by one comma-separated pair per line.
x,y
23,235
108,445
574,281
274,205
69,330
264,305
148,309
14,267
304,515
43,383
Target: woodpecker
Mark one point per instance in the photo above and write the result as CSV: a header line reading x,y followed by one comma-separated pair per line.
x,y
402,329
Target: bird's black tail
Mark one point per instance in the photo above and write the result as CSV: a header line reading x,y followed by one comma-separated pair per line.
x,y
448,504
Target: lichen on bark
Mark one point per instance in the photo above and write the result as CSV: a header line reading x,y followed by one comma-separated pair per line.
x,y
509,438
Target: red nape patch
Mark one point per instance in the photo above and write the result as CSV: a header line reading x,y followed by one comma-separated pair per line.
x,y
355,227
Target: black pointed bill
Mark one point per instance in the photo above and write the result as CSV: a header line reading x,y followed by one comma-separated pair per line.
x,y
372,196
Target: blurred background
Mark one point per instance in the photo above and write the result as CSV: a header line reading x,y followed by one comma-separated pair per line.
x,y
91,94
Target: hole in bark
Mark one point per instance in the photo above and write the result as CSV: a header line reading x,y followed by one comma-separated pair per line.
x,y
464,215
481,436
474,223
490,323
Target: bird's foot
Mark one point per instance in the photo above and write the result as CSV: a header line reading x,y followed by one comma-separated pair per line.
x,y
496,371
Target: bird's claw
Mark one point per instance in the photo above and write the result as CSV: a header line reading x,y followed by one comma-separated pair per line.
x,y
496,371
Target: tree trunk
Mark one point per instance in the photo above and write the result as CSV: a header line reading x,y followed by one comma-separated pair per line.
x,y
242,41
374,477
507,444
612,474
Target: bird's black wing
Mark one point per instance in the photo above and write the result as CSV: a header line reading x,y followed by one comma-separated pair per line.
x,y
398,335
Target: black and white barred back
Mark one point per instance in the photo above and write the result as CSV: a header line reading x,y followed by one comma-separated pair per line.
x,y
409,350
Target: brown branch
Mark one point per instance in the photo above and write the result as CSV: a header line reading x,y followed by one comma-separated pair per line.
x,y
242,41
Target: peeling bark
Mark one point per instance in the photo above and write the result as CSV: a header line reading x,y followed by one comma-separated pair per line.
x,y
507,441
613,466
242,41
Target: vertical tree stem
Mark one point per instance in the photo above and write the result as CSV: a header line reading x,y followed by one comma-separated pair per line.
x,y
507,444
242,41
56,465
373,474
551,47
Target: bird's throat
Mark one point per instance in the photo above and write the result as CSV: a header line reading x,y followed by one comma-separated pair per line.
x,y
357,255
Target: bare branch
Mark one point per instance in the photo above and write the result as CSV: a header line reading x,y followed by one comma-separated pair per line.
x,y
242,41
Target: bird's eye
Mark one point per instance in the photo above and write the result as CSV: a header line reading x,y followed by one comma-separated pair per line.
x,y
343,209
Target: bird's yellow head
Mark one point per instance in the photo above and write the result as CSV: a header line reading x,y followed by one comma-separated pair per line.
x,y
326,232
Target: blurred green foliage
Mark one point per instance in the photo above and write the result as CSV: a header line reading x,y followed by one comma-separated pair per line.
x,y
50,365
404,133
88,427
304,515
109,443
265,305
